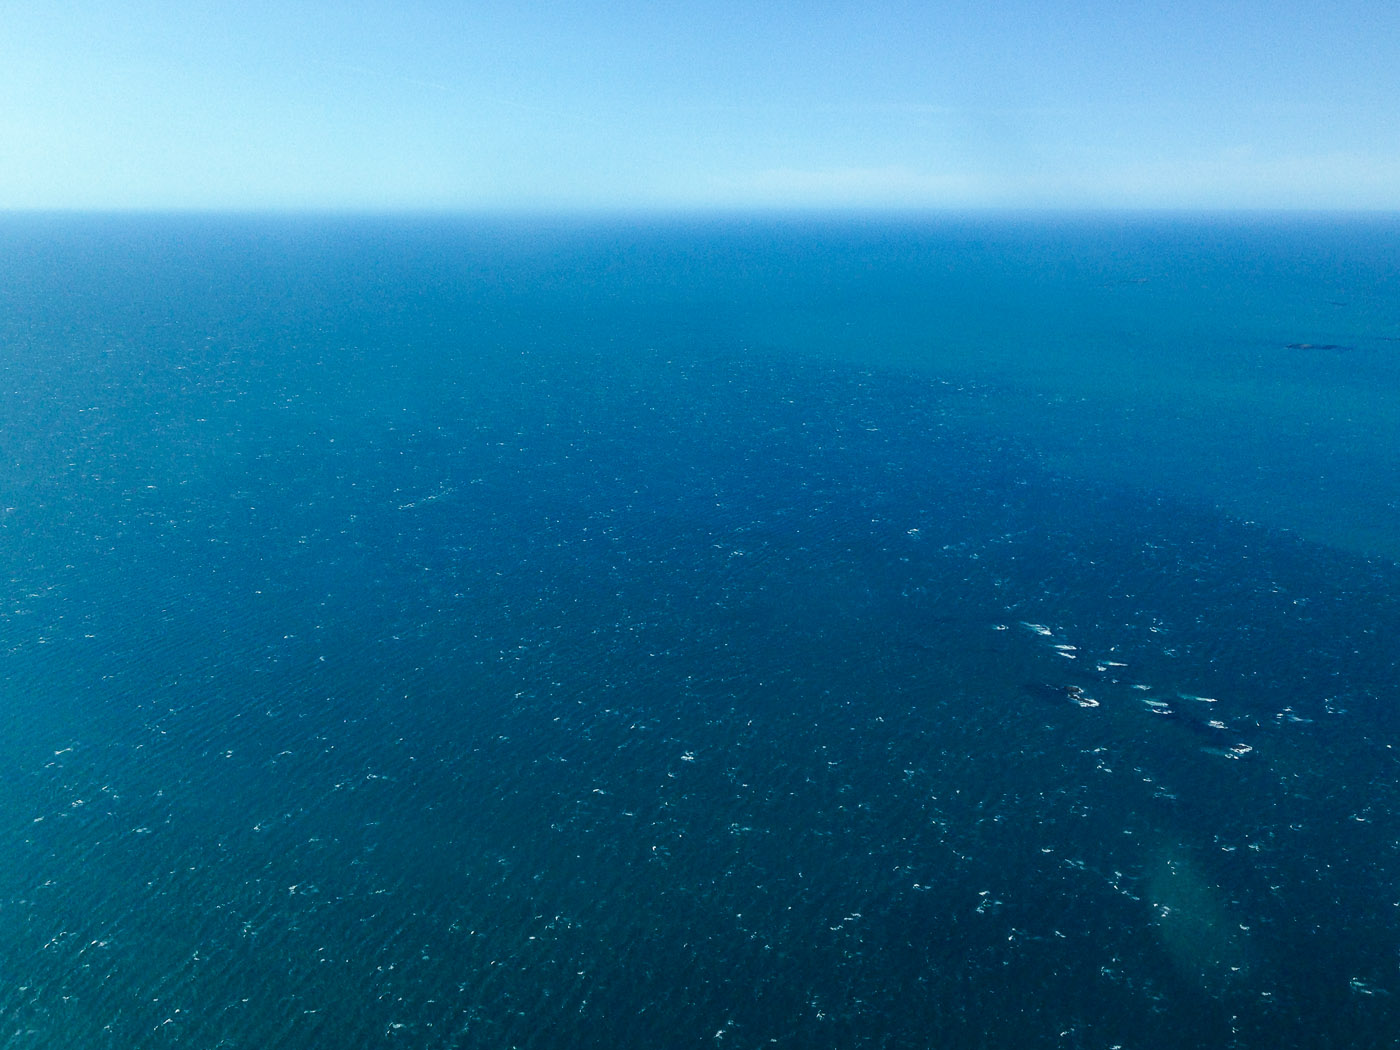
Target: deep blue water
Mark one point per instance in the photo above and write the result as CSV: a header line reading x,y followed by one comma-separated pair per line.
x,y
976,632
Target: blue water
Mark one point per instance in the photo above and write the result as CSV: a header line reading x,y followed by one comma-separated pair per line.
x,y
972,632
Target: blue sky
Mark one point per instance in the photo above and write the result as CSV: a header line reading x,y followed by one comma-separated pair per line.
x,y
707,104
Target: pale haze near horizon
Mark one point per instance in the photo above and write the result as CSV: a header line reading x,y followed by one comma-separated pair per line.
x,y
708,105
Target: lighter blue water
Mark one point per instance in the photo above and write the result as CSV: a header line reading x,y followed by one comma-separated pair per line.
x,y
955,633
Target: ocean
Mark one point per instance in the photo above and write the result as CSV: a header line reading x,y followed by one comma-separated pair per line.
x,y
738,632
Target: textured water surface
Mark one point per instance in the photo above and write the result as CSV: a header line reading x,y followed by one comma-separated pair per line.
x,y
465,635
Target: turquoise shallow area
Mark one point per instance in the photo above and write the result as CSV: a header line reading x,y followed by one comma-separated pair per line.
x,y
978,632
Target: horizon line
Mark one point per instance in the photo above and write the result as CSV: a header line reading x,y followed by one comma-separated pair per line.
x,y
698,211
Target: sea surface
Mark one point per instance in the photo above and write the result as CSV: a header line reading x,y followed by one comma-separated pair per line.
x,y
900,632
